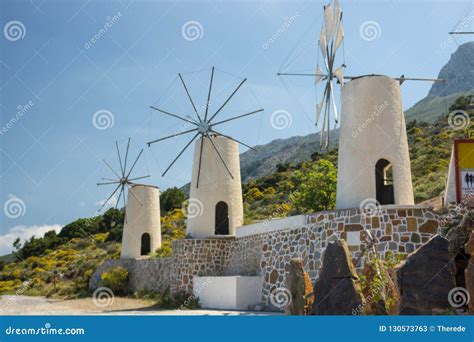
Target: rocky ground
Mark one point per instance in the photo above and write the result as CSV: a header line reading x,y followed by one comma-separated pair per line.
x,y
25,305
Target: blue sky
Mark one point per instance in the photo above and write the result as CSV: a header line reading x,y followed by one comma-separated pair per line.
x,y
54,78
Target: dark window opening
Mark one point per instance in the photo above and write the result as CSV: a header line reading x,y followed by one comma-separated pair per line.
x,y
222,219
145,249
384,182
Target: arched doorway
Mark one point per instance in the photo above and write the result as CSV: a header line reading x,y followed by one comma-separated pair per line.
x,y
145,246
384,182
222,219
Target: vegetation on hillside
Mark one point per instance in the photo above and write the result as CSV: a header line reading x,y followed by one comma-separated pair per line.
x,y
61,264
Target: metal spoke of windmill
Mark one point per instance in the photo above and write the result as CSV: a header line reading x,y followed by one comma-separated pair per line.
x,y
204,126
123,177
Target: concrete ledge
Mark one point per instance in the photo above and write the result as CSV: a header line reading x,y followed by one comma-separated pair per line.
x,y
228,293
271,226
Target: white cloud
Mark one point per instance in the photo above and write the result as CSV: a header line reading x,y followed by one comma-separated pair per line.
x,y
24,233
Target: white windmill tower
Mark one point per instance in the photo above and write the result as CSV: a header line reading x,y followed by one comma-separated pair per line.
x,y
215,201
373,162
142,228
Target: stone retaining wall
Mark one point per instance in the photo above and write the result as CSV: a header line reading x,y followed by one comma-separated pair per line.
x,y
143,274
266,252
198,257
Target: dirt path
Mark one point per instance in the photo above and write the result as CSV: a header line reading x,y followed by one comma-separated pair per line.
x,y
25,305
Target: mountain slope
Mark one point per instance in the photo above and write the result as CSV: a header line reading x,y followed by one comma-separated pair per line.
x,y
458,73
265,158
459,76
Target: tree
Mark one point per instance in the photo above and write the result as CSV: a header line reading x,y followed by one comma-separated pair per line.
x,y
17,243
81,228
317,190
111,219
172,198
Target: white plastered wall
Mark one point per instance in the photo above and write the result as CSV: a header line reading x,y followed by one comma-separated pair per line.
x,y
215,185
450,192
142,216
372,128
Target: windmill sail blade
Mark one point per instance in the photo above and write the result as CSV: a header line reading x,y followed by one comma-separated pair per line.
x,y
319,75
237,117
322,44
110,167
209,94
189,96
124,206
323,127
333,103
319,106
136,178
328,22
120,195
108,199
228,99
129,172
339,36
126,156
171,136
335,18
229,137
339,73
107,183
120,158
180,153
173,115
200,161
220,156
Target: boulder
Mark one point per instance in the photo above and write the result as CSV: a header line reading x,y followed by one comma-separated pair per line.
x,y
295,283
337,290
425,278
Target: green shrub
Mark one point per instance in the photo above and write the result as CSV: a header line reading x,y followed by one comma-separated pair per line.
x,y
115,279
